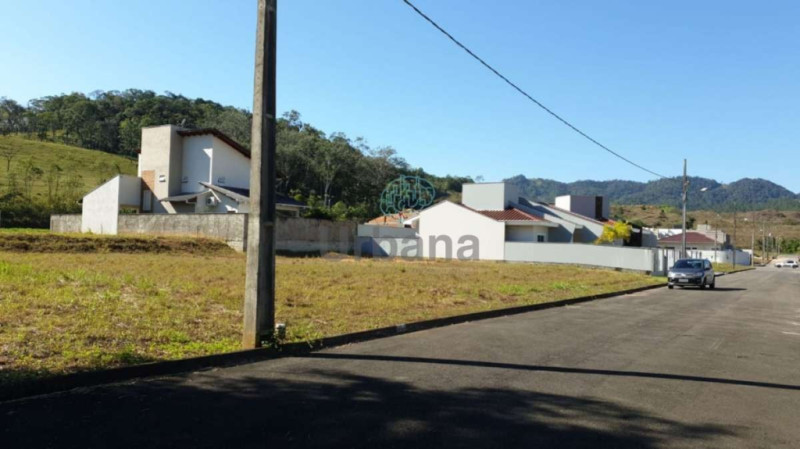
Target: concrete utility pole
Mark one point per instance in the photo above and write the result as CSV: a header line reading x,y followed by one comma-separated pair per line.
x,y
685,193
734,235
259,299
753,242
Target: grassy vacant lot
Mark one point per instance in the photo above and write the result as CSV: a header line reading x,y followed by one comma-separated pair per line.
x,y
69,311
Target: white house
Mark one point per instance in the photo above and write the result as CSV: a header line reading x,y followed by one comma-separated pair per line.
x,y
492,220
180,171
694,241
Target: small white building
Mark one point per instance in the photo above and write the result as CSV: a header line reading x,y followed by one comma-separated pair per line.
x,y
180,171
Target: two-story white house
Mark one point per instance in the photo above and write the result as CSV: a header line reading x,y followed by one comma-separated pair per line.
x,y
180,171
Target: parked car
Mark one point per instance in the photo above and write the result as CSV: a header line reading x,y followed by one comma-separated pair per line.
x,y
686,272
787,264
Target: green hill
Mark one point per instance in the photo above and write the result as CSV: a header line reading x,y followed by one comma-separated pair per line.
x,y
59,169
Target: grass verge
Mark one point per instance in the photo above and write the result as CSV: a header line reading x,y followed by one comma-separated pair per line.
x,y
728,268
29,240
71,312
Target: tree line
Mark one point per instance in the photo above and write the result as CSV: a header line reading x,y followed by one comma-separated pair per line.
x,y
338,176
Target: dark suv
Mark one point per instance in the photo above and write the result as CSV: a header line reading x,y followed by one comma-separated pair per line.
x,y
697,272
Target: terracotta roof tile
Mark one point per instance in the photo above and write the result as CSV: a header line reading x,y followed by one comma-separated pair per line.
x,y
691,237
510,214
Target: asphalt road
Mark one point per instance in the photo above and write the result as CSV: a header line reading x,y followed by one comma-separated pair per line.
x,y
662,368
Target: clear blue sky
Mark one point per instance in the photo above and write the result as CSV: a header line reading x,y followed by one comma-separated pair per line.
x,y
717,82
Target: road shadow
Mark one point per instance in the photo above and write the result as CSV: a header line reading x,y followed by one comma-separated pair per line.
x,y
331,409
553,369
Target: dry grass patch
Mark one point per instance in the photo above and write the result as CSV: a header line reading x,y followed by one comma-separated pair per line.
x,y
44,242
67,312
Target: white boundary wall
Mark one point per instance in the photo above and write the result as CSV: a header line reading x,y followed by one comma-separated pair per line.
x,y
100,211
637,259
722,256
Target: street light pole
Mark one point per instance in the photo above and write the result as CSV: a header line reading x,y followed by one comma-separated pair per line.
x,y
685,192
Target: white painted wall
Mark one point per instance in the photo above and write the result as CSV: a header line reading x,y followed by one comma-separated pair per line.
x,y
525,233
389,247
640,259
489,196
196,163
582,204
453,221
229,164
100,210
721,256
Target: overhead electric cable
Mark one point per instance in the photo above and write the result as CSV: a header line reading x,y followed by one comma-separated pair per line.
x,y
518,89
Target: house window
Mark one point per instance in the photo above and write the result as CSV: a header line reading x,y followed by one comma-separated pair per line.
x,y
540,238
162,178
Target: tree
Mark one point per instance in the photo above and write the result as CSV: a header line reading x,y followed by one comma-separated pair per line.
x,y
619,230
333,156
8,152
12,116
30,174
53,178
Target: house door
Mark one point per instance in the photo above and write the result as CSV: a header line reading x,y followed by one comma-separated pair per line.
x,y
147,201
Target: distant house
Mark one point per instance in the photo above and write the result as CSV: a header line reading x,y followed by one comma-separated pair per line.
x,y
694,241
493,222
722,238
180,171
496,216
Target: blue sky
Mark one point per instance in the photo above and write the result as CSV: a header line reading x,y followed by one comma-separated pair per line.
x,y
714,81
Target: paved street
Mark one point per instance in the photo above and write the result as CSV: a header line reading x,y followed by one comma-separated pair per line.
x,y
662,368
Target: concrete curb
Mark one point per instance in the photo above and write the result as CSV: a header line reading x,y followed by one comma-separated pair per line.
x,y
128,373
734,272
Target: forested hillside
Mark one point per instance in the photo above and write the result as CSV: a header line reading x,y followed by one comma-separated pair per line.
x,y
339,176
744,194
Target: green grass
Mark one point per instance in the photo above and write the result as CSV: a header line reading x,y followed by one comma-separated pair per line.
x,y
67,312
92,166
728,268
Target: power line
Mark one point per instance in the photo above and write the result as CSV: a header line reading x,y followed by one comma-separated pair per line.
x,y
518,89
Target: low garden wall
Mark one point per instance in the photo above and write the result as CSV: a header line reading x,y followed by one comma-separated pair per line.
x,y
294,235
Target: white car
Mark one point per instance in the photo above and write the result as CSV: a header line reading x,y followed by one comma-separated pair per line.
x,y
787,264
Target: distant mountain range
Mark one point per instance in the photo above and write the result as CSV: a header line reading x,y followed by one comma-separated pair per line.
x,y
744,194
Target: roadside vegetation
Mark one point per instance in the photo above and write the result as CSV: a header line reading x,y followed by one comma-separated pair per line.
x,y
70,311
729,268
